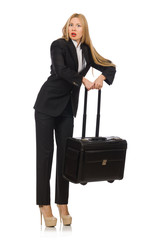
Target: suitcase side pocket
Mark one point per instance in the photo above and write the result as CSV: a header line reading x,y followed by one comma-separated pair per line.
x,y
104,164
71,164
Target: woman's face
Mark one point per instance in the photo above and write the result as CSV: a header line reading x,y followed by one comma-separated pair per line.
x,y
75,29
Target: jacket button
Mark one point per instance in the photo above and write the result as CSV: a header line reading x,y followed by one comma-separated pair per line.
x,y
75,83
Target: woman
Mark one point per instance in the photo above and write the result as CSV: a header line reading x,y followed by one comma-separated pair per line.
x,y
56,106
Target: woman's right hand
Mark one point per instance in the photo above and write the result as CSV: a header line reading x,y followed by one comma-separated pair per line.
x,y
88,84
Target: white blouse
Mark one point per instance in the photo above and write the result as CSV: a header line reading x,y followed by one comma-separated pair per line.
x,y
81,61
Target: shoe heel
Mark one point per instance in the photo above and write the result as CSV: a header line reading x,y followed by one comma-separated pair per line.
x,y
59,213
49,221
66,219
41,217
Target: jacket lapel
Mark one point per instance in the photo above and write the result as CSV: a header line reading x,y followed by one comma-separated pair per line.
x,y
74,53
85,52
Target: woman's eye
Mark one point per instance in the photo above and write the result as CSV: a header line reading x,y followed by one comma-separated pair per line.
x,y
78,25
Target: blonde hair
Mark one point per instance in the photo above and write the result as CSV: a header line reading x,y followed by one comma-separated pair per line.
x,y
98,59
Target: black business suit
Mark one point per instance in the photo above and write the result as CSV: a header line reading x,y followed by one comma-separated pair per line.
x,y
55,107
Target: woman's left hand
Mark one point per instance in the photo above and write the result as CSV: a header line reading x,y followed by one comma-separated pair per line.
x,y
98,83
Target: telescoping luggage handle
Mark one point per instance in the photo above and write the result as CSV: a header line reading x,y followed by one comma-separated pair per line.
x,y
97,119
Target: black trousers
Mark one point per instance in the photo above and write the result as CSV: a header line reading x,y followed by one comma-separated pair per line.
x,y
46,125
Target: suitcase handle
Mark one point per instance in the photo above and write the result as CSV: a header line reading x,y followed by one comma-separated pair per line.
x,y
84,114
98,139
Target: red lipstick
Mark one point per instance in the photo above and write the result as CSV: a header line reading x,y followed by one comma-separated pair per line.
x,y
73,34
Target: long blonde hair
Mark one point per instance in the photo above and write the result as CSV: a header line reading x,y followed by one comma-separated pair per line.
x,y
98,59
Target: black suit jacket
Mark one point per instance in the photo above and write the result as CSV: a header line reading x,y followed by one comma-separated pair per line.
x,y
65,81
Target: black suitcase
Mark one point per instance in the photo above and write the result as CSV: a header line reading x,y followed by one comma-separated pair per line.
x,y
89,159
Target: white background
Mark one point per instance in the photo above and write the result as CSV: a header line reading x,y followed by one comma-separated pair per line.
x,y
125,32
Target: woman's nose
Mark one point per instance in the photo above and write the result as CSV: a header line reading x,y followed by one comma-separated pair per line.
x,y
74,28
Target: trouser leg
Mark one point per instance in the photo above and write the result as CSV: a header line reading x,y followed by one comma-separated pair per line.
x,y
44,154
64,129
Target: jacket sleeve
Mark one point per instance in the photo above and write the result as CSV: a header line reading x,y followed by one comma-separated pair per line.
x,y
108,72
58,64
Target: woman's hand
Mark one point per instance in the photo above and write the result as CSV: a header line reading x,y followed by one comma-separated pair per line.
x,y
98,83
89,85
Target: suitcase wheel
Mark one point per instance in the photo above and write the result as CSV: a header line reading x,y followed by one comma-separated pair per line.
x,y
84,183
111,181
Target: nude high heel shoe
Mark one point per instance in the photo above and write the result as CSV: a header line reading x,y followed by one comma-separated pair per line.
x,y
67,219
49,221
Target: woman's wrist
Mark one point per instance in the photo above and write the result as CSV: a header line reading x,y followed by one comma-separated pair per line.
x,y
83,79
102,77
